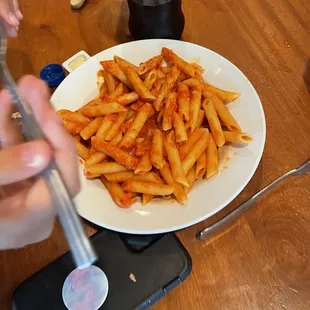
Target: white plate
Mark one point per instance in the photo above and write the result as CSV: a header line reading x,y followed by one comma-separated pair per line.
x,y
207,197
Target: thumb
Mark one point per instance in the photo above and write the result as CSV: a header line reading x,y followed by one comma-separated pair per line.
x,y
23,161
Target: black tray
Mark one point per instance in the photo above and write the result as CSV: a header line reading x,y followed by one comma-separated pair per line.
x,y
159,263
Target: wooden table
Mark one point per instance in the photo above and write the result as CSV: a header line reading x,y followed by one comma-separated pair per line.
x,y
263,261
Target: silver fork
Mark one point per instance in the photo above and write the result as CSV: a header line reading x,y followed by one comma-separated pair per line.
x,y
218,226
80,246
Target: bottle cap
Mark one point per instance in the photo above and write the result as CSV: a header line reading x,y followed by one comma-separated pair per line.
x,y
53,74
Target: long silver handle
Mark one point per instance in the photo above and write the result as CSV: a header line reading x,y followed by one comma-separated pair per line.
x,y
80,246
220,225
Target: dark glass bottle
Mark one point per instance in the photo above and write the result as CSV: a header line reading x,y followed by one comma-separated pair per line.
x,y
156,19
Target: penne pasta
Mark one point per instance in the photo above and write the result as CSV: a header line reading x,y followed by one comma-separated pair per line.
x,y
122,199
174,159
201,166
170,107
82,150
147,132
109,80
90,176
237,137
117,139
119,155
166,87
92,150
201,117
75,117
192,82
130,114
91,128
151,188
182,77
198,69
166,70
138,85
191,178
105,126
225,96
148,177
103,90
136,126
124,63
223,113
90,104
160,116
103,168
73,128
95,158
157,152
178,192
146,198
212,158
192,140
194,108
119,177
137,105
150,64
157,86
191,158
127,124
118,91
112,67
184,101
174,59
214,123
144,165
160,74
103,109
150,79
116,125
128,98
179,128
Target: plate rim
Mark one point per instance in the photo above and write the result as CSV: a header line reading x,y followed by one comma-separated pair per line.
x,y
240,189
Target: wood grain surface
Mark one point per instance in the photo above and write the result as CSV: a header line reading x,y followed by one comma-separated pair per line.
x,y
263,260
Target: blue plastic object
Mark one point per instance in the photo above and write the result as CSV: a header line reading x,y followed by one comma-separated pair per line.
x,y
53,74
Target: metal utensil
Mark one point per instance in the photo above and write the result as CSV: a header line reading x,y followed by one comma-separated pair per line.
x,y
80,246
85,289
218,226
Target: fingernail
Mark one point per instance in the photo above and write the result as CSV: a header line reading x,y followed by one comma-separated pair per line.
x,y
19,15
12,32
32,159
13,19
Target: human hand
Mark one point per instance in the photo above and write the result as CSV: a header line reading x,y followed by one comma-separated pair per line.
x,y
10,16
26,211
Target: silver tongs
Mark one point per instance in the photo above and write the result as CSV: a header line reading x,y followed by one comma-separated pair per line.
x,y
80,246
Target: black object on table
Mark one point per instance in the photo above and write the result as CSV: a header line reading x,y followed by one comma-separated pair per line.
x,y
156,19
157,263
